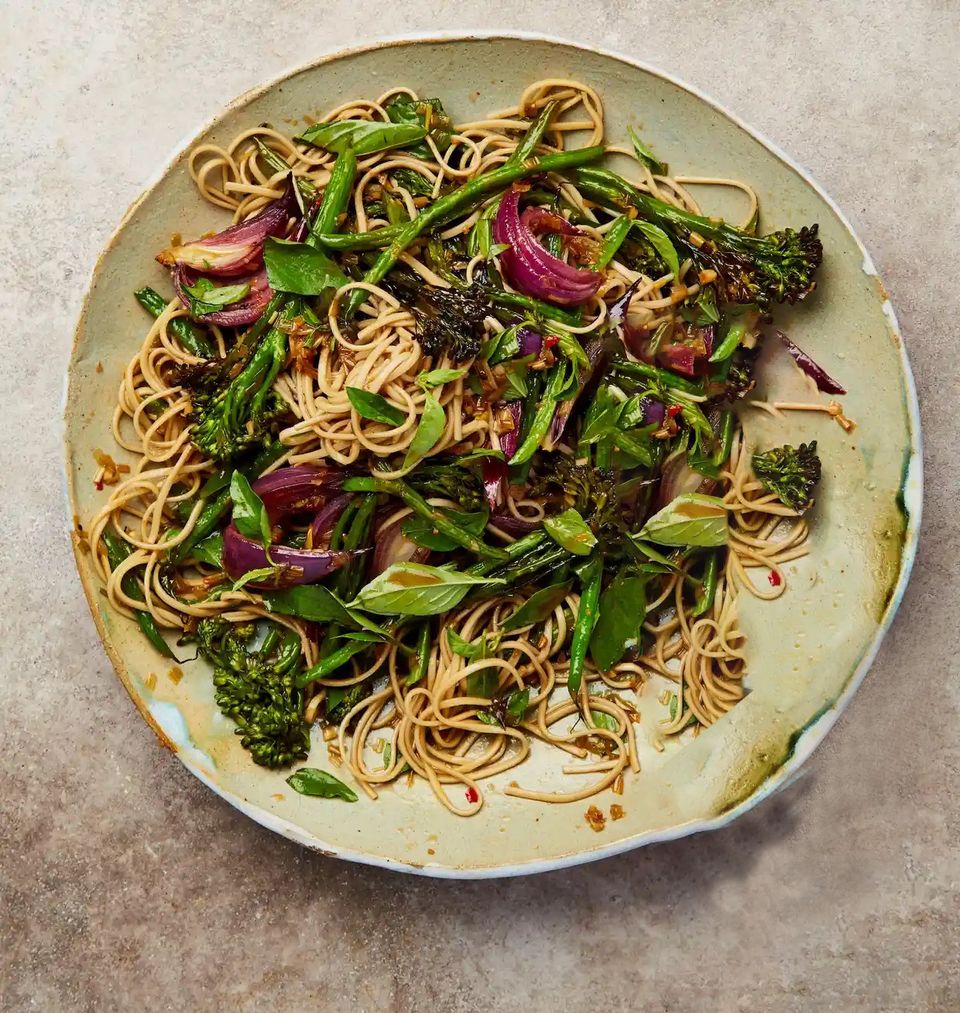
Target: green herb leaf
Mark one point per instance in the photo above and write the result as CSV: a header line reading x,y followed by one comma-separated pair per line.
x,y
660,241
419,529
517,704
427,113
299,268
249,513
673,705
205,297
414,589
374,407
471,650
262,574
387,754
210,550
316,604
316,782
516,388
502,346
571,531
364,136
604,720
646,156
571,348
690,519
438,377
483,683
538,606
622,609
433,420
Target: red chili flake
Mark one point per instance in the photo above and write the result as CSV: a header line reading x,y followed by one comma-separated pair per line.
x,y
674,410
774,578
472,795
550,340
98,486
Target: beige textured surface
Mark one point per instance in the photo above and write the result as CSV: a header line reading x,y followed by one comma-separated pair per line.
x,y
124,883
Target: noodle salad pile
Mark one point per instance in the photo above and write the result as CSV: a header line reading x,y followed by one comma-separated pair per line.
x,y
436,447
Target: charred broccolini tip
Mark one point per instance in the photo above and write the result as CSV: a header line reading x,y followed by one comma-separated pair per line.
x,y
779,267
449,320
256,688
591,491
790,473
452,481
231,415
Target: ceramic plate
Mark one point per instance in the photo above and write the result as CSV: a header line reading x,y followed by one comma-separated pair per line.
x,y
808,650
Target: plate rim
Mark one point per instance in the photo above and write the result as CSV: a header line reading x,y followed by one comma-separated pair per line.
x,y
911,493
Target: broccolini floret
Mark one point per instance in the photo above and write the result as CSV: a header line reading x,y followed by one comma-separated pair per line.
x,y
789,473
256,688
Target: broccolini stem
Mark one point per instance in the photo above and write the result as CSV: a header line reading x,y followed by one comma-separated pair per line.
x,y
442,522
515,550
117,552
191,337
516,300
324,668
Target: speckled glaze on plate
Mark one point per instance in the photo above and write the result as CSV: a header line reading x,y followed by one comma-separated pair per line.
x,y
808,651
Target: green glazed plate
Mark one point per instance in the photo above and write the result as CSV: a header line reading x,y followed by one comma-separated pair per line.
x,y
808,651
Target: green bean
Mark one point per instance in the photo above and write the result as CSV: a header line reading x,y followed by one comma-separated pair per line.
x,y
643,371
543,417
442,522
591,580
191,337
419,669
516,300
534,135
612,241
709,585
460,200
117,551
336,197
324,668
731,340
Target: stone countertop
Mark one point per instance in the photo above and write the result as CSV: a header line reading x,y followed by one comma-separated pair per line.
x,y
126,884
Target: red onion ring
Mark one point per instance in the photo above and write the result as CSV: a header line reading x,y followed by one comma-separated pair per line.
x,y
532,269
236,315
238,249
297,566
326,517
302,488
393,546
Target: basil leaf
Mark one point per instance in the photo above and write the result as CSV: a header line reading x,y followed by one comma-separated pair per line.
x,y
415,182
205,297
413,589
299,268
210,550
538,606
420,530
602,416
645,155
318,605
488,719
249,513
264,573
635,445
571,348
620,614
364,136
427,113
651,553
515,388
471,650
438,377
433,421
374,407
673,705
502,346
690,519
483,683
517,704
312,781
604,720
571,531
660,241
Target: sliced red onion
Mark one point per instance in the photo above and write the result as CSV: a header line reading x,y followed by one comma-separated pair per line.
x,y
617,312
678,359
297,566
541,221
677,478
824,381
302,488
494,479
511,437
512,525
530,342
239,249
326,517
595,351
532,269
653,411
236,315
393,546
